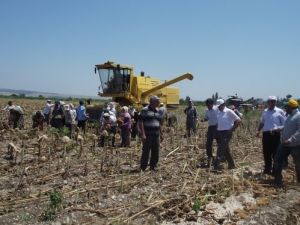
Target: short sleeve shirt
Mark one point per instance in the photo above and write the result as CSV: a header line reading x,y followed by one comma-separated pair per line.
x,y
151,119
211,116
226,119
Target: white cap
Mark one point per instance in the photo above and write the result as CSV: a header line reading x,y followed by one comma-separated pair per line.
x,y
67,107
272,98
125,108
105,115
220,102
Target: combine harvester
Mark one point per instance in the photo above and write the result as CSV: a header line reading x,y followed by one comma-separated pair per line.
x,y
120,83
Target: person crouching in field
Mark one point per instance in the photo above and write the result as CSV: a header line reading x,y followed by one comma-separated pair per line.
x,y
38,120
7,108
125,127
290,143
16,117
47,111
105,129
58,117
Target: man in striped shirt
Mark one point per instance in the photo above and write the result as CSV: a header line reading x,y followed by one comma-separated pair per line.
x,y
150,127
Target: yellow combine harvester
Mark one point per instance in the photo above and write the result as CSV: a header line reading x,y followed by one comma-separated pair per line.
x,y
119,82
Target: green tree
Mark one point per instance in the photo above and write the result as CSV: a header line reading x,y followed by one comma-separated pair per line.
x,y
187,98
22,95
216,96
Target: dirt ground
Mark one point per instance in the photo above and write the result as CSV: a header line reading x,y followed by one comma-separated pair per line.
x,y
53,180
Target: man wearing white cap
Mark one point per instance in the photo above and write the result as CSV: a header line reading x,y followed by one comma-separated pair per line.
x,y
271,122
227,122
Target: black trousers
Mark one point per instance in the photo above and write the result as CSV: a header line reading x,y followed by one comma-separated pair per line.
x,y
47,118
270,143
282,153
125,134
190,127
223,139
82,124
211,135
150,145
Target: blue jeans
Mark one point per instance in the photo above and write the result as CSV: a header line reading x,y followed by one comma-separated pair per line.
x,y
282,153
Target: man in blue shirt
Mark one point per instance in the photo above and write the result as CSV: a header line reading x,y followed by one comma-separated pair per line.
x,y
290,142
81,116
271,122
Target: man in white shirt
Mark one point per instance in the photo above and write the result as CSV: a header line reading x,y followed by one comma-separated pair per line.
x,y
47,111
271,122
16,117
227,122
211,117
7,109
9,106
70,118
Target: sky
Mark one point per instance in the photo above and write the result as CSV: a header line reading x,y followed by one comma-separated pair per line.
x,y
248,47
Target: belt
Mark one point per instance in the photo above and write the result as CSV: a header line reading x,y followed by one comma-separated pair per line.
x,y
272,132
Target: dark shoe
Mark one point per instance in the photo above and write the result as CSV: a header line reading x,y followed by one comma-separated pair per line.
x,y
218,168
8,157
153,167
279,185
269,172
203,165
223,159
231,167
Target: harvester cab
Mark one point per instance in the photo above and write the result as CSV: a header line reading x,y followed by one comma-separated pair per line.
x,y
119,83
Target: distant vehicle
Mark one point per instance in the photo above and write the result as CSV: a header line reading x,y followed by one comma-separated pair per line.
x,y
234,100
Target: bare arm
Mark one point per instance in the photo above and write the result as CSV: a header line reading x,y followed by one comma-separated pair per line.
x,y
141,126
236,124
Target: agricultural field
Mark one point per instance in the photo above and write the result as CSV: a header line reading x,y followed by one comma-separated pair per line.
x,y
53,180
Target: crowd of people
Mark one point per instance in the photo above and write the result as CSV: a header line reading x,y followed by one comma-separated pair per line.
x,y
280,129
280,135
